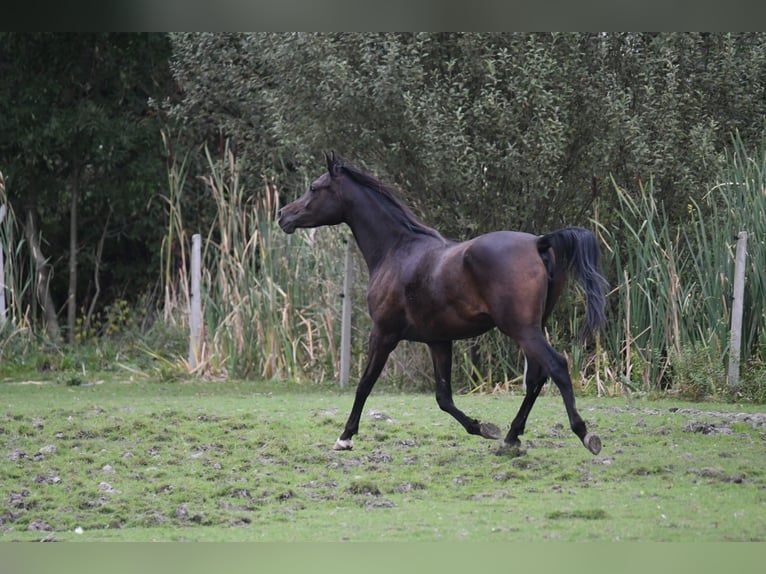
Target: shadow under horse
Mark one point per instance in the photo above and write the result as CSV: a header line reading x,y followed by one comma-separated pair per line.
x,y
423,287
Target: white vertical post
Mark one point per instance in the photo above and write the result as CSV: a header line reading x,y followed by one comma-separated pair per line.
x,y
195,312
2,276
345,330
736,309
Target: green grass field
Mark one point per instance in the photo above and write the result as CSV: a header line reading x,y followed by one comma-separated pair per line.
x,y
237,461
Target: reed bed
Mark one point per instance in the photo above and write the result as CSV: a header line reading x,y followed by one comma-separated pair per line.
x,y
269,300
671,307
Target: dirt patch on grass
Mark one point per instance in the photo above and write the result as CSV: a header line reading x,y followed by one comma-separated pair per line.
x,y
693,420
589,514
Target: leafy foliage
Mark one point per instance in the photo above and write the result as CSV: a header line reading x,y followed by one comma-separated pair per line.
x,y
483,131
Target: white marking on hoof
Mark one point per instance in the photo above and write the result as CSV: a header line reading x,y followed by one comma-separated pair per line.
x,y
347,444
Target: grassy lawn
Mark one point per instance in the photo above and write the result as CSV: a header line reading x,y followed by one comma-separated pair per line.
x,y
241,461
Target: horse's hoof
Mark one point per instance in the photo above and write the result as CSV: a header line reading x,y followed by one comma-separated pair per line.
x,y
340,444
513,442
592,443
488,430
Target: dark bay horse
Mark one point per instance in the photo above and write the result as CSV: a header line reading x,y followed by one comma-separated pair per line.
x,y
426,288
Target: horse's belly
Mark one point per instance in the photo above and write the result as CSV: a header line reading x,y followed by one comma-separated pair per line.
x,y
447,326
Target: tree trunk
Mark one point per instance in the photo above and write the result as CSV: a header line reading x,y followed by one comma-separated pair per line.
x,y
96,279
72,292
32,235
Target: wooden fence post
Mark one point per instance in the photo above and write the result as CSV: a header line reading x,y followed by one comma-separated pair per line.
x,y
345,330
736,310
195,311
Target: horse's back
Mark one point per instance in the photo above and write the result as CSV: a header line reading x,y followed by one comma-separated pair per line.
x,y
487,262
498,250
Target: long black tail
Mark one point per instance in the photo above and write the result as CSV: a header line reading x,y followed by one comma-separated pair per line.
x,y
576,249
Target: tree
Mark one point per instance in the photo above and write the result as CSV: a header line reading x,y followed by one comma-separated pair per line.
x,y
79,140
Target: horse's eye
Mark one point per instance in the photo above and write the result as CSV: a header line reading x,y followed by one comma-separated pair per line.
x,y
312,188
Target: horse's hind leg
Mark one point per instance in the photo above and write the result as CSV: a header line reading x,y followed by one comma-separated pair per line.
x,y
534,379
555,365
441,354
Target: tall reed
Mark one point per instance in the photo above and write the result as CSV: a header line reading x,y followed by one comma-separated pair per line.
x,y
743,197
644,253
174,244
18,269
270,300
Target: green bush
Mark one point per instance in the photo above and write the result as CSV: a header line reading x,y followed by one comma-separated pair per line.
x,y
752,385
696,374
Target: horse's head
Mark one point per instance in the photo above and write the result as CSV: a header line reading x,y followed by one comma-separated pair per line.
x,y
321,204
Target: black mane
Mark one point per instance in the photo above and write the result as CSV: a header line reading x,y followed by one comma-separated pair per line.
x,y
389,201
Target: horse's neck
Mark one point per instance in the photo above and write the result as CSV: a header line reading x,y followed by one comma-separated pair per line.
x,y
374,246
377,234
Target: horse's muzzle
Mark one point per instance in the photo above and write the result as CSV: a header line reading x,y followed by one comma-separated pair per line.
x,y
286,223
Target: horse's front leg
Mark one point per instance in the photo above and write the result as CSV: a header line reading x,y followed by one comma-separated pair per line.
x,y
441,354
379,348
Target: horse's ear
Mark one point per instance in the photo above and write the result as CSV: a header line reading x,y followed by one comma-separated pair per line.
x,y
332,164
